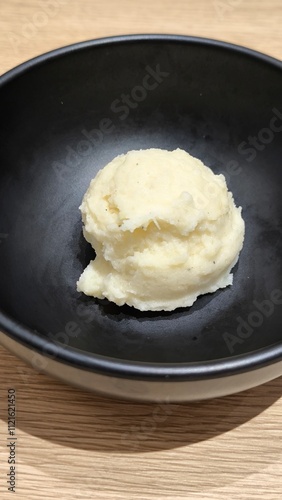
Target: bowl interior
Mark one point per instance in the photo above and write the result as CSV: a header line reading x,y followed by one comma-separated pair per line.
x,y
64,118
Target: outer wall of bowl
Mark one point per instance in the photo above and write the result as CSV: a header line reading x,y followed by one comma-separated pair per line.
x,y
142,390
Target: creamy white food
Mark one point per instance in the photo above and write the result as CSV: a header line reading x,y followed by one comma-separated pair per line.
x,y
165,230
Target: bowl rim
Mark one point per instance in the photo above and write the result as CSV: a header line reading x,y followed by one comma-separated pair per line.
x,y
201,370
146,37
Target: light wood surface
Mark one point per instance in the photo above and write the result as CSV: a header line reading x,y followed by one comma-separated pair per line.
x,y
75,445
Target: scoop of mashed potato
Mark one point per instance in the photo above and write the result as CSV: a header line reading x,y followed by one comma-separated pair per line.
x,y
165,230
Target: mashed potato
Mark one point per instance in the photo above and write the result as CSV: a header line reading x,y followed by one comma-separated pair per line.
x,y
165,230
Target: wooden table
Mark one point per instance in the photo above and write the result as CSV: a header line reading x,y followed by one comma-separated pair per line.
x,y
75,445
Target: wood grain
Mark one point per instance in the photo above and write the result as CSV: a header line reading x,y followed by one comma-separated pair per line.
x,y
75,445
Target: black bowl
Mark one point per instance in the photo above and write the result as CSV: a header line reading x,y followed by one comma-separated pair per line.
x,y
64,115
